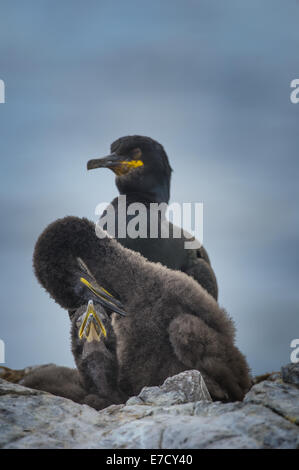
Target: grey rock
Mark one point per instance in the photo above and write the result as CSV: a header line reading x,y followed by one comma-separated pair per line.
x,y
290,373
279,397
35,419
190,383
176,415
186,387
273,377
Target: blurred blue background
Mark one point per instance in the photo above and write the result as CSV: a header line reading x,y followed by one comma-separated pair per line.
x,y
208,79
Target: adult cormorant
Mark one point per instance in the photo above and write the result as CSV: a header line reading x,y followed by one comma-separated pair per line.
x,y
171,322
143,174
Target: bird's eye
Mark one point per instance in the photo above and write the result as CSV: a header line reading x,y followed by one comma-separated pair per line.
x,y
136,153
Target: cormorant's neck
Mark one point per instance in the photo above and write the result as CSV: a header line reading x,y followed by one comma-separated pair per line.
x,y
143,197
158,194
152,186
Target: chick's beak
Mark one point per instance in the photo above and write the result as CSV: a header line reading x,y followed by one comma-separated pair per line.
x,y
91,327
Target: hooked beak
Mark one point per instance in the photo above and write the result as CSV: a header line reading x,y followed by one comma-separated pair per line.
x,y
114,162
91,327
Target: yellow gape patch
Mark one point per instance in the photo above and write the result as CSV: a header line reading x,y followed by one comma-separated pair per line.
x,y
133,163
125,166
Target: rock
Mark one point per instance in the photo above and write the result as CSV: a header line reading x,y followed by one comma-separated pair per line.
x,y
290,373
272,376
176,415
185,387
35,419
281,398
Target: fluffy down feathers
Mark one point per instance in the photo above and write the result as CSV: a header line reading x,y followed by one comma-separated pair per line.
x,y
172,323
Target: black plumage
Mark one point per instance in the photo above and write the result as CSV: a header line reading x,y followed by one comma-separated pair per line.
x,y
143,175
172,323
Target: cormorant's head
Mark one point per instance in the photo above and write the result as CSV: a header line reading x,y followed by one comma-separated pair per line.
x,y
141,166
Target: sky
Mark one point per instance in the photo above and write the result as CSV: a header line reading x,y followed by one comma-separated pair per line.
x,y
210,80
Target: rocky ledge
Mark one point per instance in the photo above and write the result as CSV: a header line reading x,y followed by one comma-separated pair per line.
x,y
177,415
